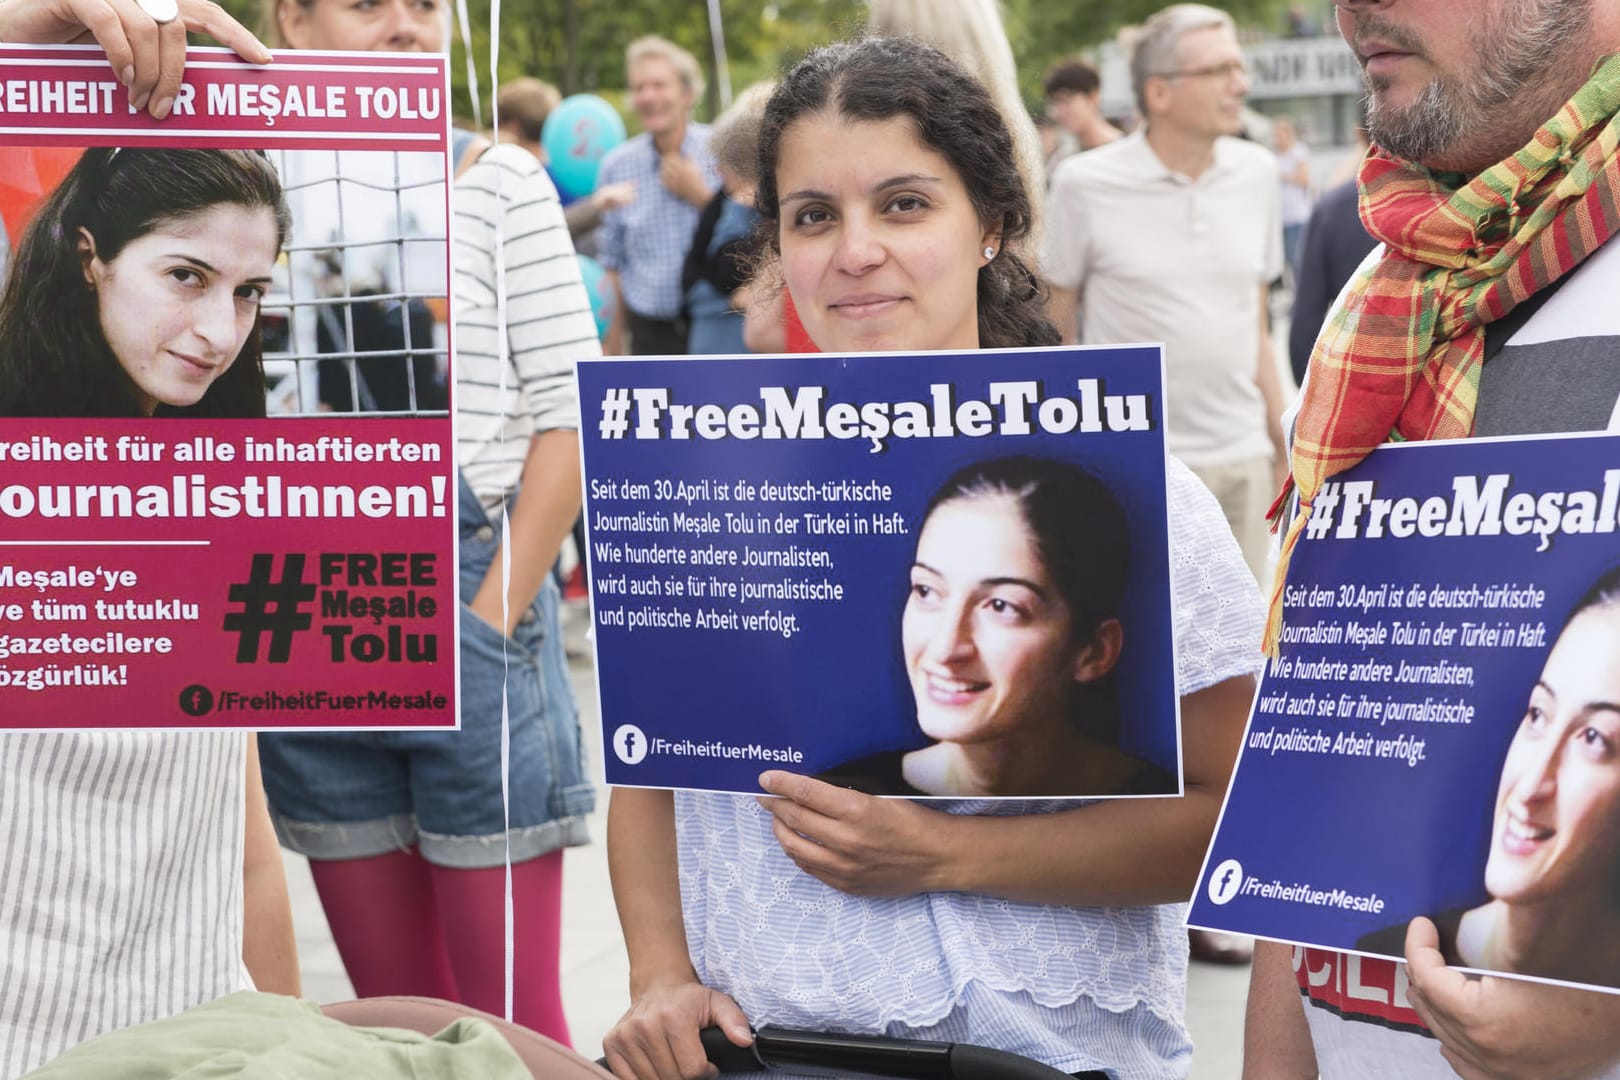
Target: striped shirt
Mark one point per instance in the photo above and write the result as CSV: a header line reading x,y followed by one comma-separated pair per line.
x,y
647,241
511,386
120,882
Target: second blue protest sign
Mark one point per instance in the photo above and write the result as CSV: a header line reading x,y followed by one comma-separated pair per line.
x,y
1440,734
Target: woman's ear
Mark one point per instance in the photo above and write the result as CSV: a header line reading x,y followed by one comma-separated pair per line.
x,y
990,243
1100,655
86,246
290,20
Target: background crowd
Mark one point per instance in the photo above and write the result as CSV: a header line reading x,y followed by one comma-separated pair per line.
x,y
1192,220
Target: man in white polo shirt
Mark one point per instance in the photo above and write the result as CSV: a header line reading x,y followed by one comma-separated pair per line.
x,y
1174,235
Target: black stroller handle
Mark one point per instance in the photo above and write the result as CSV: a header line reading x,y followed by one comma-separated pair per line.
x,y
833,1054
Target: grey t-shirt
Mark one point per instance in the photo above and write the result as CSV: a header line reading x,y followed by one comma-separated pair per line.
x,y
1553,364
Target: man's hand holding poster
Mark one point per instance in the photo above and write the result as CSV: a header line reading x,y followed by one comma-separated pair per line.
x,y
191,534
1440,734
941,575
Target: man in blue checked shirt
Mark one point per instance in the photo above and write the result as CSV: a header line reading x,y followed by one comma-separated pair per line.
x,y
643,245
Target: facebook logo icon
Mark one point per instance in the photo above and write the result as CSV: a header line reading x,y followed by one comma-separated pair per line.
x,y
1225,881
630,744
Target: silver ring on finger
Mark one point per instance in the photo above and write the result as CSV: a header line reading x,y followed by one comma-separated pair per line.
x,y
161,11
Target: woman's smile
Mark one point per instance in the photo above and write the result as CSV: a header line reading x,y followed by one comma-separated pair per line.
x,y
946,690
866,305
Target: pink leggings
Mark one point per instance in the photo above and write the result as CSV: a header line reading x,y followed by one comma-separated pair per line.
x,y
405,926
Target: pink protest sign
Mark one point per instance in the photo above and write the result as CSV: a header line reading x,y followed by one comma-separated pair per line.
x,y
228,494
67,95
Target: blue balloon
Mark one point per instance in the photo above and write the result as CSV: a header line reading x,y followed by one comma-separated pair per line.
x,y
575,136
600,292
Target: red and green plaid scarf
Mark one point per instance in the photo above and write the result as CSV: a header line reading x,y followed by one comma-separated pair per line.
x,y
1400,357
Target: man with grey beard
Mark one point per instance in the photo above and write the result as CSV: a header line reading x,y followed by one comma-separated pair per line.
x,y
1494,184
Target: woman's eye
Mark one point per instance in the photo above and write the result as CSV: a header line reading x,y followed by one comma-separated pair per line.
x,y
185,275
908,203
1594,743
253,294
1005,608
813,215
1533,717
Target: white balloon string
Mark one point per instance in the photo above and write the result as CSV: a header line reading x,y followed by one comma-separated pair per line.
x,y
464,20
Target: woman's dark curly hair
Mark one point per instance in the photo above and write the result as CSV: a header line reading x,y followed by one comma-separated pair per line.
x,y
54,358
882,78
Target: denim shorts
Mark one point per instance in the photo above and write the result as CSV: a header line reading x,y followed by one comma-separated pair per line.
x,y
349,795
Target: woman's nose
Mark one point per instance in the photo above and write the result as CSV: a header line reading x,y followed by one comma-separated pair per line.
x,y
952,638
1539,777
401,25
214,320
859,249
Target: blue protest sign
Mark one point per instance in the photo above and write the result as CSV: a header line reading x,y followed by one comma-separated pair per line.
x,y
1440,734
885,570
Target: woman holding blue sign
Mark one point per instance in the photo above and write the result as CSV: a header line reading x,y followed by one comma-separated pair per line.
x,y
1553,872
1043,927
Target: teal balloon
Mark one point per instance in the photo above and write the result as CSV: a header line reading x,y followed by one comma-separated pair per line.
x,y
575,136
600,292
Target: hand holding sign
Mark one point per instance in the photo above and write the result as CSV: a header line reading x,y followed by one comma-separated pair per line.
x,y
1509,1029
147,53
856,843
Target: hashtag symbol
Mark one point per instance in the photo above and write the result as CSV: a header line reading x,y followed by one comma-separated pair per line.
x,y
273,606
615,414
1322,513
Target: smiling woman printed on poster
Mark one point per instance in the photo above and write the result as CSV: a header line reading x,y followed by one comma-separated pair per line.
x,y
1553,871
1011,636
137,284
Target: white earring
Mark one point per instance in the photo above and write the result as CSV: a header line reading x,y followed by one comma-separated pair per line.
x,y
989,253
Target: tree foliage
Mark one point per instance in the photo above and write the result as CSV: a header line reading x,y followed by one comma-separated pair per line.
x,y
579,44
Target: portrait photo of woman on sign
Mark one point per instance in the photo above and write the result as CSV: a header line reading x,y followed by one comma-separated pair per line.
x,y
135,290
1553,868
1011,635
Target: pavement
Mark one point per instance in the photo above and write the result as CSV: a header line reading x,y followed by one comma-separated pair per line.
x,y
595,971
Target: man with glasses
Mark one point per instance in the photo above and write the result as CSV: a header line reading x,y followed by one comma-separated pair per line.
x,y
1174,234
